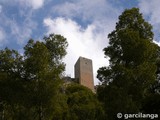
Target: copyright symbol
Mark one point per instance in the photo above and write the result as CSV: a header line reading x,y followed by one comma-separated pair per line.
x,y
119,115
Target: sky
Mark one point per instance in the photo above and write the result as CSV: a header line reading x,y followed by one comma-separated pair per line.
x,y
84,23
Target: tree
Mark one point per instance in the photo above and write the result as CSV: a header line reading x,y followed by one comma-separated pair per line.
x,y
82,104
151,103
10,82
132,68
43,69
57,45
30,82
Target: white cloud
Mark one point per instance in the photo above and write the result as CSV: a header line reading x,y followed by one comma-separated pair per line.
x,y
22,32
151,10
34,4
158,43
87,10
20,24
0,8
83,42
2,37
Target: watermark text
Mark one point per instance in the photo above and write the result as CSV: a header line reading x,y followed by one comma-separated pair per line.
x,y
138,115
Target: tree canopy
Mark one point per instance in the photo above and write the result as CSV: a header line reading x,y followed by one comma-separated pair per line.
x,y
32,85
30,82
132,70
83,104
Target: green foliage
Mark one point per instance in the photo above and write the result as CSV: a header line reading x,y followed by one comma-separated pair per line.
x,y
30,82
10,81
130,41
151,104
83,104
57,45
31,85
132,70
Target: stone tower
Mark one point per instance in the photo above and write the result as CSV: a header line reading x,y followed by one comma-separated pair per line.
x,y
84,72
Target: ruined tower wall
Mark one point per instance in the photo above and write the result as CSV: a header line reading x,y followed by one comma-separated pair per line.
x,y
84,72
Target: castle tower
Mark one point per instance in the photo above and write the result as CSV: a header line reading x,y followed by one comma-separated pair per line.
x,y
84,72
